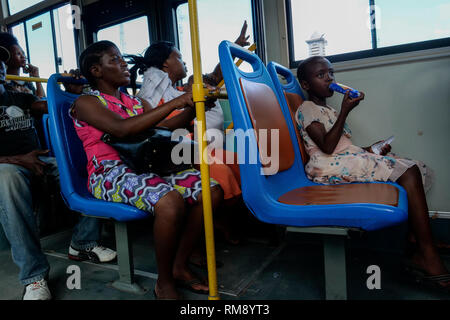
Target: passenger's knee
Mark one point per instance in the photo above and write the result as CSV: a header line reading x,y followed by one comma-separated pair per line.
x,y
171,206
216,196
11,178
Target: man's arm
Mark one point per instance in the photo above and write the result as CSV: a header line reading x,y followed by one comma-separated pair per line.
x,y
29,160
39,107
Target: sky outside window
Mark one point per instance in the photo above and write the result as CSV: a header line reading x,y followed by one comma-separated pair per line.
x,y
65,40
345,25
405,21
19,5
218,20
131,37
40,43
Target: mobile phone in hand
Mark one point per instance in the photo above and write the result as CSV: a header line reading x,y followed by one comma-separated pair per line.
x,y
26,69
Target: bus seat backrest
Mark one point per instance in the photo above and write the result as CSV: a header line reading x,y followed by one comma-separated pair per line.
x,y
76,153
265,113
294,101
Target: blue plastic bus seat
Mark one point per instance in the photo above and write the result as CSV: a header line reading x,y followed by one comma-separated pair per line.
x,y
287,197
290,91
256,92
72,161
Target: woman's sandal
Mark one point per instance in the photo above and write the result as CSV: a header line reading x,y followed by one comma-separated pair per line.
x,y
189,284
420,276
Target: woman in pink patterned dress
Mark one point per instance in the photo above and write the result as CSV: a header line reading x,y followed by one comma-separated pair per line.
x,y
174,200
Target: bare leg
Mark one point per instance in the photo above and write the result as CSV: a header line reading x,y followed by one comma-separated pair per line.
x,y
190,235
169,216
426,255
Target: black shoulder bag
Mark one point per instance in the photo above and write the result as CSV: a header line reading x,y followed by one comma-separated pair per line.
x,y
150,151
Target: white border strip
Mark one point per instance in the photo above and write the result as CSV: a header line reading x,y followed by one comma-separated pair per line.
x,y
413,56
439,214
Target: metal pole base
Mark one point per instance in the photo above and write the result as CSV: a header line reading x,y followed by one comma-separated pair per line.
x,y
128,287
125,262
335,267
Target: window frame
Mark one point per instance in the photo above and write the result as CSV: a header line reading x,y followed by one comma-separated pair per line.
x,y
44,9
355,55
8,11
31,12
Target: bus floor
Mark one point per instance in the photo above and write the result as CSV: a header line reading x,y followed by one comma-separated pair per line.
x,y
261,267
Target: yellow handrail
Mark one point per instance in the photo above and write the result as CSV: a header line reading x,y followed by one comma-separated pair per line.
x,y
32,79
199,100
27,79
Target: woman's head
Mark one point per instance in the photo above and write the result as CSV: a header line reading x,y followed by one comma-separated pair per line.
x,y
162,55
102,61
315,75
17,56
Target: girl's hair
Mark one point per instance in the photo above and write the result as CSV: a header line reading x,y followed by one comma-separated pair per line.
x,y
7,40
92,55
154,56
303,70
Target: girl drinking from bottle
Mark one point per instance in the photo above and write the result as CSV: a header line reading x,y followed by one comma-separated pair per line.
x,y
334,159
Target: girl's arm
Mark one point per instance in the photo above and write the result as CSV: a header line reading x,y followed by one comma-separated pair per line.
x,y
89,109
327,141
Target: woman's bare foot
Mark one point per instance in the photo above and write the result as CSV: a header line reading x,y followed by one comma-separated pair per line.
x,y
187,279
166,292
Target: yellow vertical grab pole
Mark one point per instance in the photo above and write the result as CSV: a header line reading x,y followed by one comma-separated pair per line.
x,y
199,100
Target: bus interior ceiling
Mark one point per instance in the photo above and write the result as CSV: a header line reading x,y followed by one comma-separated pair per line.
x,y
406,87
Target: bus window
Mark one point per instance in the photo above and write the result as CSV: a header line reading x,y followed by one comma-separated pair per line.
x,y
40,44
218,20
124,35
323,27
355,29
39,35
401,22
65,40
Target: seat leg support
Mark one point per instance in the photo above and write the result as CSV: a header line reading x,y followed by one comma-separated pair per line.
x,y
125,261
335,267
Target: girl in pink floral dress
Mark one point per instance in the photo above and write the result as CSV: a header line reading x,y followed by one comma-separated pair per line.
x,y
334,159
